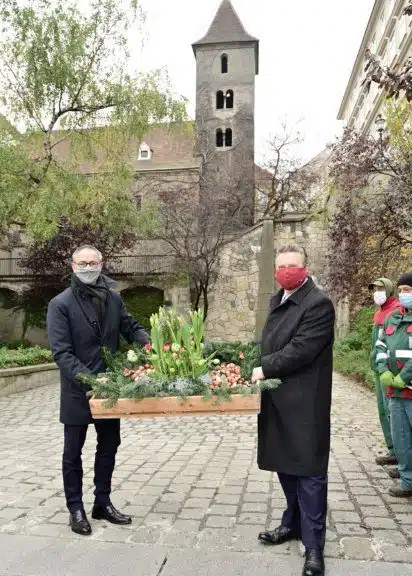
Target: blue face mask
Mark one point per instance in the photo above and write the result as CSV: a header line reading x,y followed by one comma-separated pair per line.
x,y
406,300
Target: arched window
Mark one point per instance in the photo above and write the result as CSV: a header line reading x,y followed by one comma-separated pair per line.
x,y
229,99
219,138
224,63
228,137
220,100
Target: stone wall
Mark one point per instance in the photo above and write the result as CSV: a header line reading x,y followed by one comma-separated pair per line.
x,y
233,300
14,380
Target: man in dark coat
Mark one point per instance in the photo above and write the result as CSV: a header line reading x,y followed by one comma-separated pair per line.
x,y
294,422
81,321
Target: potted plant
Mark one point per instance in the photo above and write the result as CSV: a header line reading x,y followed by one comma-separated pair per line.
x,y
172,375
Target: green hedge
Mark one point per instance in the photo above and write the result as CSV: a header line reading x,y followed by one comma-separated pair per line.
x,y
142,302
351,354
24,357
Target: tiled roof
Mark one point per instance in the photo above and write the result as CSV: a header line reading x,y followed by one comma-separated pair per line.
x,y
172,148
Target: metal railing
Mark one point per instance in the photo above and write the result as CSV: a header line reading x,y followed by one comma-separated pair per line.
x,y
134,265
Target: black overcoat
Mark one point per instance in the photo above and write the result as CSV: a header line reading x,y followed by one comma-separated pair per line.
x,y
77,339
297,347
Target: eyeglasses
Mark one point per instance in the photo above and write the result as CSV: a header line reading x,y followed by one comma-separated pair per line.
x,y
92,264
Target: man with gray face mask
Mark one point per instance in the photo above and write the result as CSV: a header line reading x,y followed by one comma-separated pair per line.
x,y
81,321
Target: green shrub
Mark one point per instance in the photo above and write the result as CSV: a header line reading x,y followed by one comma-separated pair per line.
x,y
351,354
15,344
24,357
142,302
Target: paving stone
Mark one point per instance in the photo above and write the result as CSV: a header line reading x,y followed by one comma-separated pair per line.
x,y
197,503
382,523
212,538
202,493
392,553
349,529
192,513
333,550
220,522
357,548
148,535
364,500
389,537
343,516
226,499
344,505
223,510
377,511
168,507
402,518
254,507
159,519
248,497
253,518
12,513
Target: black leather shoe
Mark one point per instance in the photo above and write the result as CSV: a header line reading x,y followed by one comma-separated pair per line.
x,y
109,513
79,523
314,563
278,536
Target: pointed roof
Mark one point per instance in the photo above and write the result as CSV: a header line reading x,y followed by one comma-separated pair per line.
x,y
226,27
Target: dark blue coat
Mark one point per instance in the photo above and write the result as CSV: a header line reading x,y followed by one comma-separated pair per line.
x,y
76,340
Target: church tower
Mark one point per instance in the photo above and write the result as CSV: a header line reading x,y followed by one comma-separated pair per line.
x,y
227,61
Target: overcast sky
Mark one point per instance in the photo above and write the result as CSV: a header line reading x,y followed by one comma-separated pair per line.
x,y
307,50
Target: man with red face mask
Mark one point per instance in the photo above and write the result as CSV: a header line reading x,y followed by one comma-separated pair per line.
x,y
294,421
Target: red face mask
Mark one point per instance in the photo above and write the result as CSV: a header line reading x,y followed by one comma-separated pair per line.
x,y
291,278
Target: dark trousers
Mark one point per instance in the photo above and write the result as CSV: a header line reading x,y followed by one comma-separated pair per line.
x,y
307,502
108,440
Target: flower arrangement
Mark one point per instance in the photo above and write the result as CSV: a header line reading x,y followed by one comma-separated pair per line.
x,y
175,363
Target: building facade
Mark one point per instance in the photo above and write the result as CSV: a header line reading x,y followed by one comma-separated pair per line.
x,y
388,35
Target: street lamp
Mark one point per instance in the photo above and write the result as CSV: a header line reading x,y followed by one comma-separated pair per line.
x,y
380,124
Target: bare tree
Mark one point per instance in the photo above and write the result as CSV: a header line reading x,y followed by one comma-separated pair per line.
x,y
285,184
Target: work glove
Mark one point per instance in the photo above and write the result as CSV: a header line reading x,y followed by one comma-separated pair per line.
x,y
398,382
386,379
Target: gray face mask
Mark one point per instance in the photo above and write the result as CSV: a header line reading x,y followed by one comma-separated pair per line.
x,y
88,275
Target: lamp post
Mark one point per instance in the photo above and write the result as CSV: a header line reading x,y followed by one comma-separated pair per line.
x,y
380,124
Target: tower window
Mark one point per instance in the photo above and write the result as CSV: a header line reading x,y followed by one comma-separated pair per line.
x,y
220,100
228,137
224,63
229,99
224,138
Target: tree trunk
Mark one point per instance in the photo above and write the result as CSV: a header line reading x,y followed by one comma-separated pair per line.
x,y
205,301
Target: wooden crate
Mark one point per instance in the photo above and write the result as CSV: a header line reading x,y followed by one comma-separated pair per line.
x,y
176,406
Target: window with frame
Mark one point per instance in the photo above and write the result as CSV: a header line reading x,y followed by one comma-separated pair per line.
x,y
145,153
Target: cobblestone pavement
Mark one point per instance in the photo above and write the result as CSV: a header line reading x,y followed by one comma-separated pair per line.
x,y
192,482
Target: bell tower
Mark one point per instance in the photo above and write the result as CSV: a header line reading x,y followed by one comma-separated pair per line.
x,y
227,61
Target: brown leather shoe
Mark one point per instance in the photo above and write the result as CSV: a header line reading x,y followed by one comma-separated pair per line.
x,y
386,460
393,473
399,492
278,536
